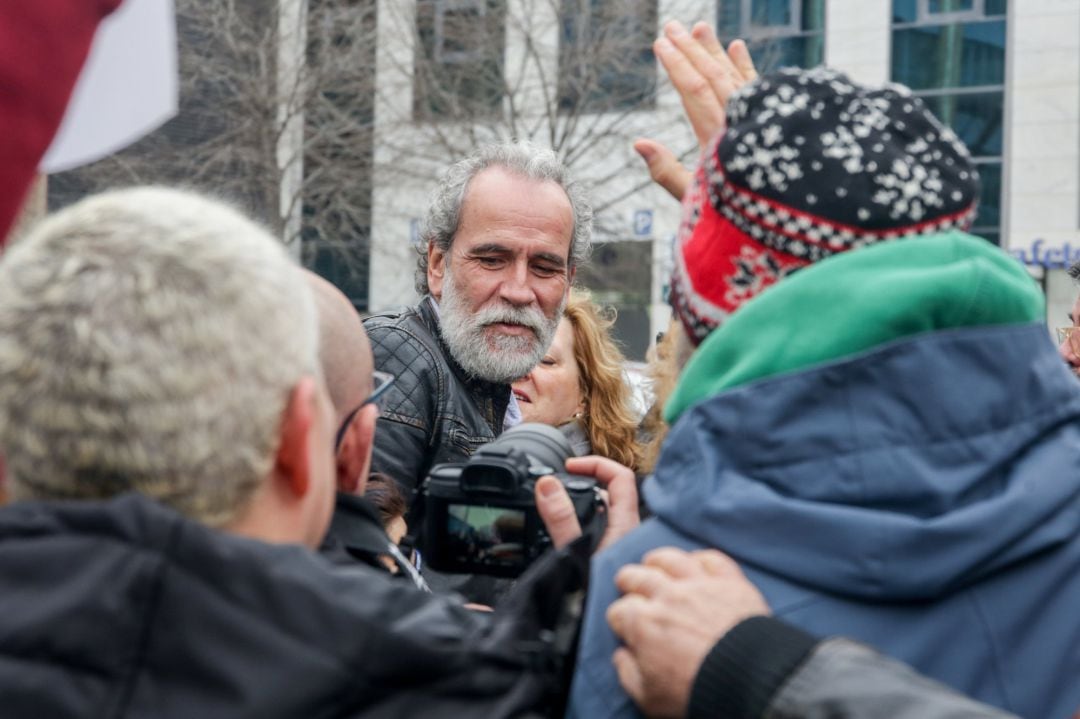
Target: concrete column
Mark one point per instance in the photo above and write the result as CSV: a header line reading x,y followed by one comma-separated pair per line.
x,y
291,54
396,204
1042,148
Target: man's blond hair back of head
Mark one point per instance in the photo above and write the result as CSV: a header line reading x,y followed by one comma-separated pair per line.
x,y
149,341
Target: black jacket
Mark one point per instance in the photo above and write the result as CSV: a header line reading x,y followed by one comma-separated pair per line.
x,y
434,412
123,608
356,534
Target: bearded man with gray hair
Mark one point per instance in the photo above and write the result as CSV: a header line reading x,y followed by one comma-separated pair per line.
x,y
505,231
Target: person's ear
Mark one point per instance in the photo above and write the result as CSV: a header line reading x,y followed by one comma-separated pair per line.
x,y
353,459
365,437
436,270
292,462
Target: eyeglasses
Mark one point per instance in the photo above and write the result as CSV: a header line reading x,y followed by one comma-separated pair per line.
x,y
1069,334
382,381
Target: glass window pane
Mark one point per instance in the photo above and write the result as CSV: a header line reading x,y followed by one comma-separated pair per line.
x,y
343,264
770,13
977,118
459,62
904,11
990,197
940,6
620,275
770,55
946,56
728,20
606,61
813,15
996,7
457,26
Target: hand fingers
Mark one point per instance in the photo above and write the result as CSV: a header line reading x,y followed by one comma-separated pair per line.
x,y
664,168
624,617
629,672
556,511
703,33
717,71
623,514
717,563
675,562
740,56
642,580
603,470
702,107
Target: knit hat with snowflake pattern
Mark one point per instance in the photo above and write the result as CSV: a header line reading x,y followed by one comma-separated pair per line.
x,y
811,165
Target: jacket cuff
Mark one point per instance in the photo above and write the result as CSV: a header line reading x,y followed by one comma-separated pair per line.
x,y
747,667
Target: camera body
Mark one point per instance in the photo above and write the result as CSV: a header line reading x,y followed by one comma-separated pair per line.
x,y
480,516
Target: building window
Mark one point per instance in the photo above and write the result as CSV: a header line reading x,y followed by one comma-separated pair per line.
x,y
459,58
779,33
606,60
951,53
619,275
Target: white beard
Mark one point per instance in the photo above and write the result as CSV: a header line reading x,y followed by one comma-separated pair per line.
x,y
487,355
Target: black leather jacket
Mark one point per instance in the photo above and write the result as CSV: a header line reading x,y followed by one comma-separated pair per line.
x,y
434,412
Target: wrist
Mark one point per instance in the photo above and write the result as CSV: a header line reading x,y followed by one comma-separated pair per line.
x,y
745,669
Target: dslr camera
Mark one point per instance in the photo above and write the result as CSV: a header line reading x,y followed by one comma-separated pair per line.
x,y
480,516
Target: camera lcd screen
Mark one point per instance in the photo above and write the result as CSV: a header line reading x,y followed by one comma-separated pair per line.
x,y
485,535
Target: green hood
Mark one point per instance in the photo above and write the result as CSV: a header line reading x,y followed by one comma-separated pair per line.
x,y
855,301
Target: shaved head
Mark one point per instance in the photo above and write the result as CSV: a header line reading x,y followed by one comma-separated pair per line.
x,y
344,351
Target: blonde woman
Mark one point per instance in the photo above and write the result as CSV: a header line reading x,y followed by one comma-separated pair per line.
x,y
581,388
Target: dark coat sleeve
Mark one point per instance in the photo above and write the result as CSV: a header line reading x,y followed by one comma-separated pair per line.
x,y
766,668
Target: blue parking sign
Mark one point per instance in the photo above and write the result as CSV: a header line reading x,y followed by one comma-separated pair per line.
x,y
643,223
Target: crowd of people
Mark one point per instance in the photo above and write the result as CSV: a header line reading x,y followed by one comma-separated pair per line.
x,y
859,482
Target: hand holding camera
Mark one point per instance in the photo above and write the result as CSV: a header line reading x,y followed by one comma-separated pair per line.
x,y
622,501
518,496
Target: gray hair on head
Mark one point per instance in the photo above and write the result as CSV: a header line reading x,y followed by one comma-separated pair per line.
x,y
520,158
1074,270
150,340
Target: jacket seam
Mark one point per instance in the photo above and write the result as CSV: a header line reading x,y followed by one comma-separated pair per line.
x,y
995,650
127,687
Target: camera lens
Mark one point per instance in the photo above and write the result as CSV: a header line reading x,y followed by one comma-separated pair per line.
x,y
544,444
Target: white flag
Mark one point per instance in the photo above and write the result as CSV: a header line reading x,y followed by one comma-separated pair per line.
x,y
128,87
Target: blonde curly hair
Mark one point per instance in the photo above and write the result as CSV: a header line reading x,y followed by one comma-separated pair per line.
x,y
609,419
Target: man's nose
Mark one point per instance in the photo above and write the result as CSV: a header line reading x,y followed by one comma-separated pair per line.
x,y
515,287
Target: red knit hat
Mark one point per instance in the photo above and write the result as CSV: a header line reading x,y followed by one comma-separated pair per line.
x,y
811,165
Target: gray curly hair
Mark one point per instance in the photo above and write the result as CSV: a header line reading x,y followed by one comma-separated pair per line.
x,y
149,342
521,158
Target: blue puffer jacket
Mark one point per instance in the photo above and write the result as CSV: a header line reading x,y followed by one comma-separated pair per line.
x,y
922,497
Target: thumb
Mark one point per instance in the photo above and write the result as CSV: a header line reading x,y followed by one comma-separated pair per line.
x,y
664,168
557,511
